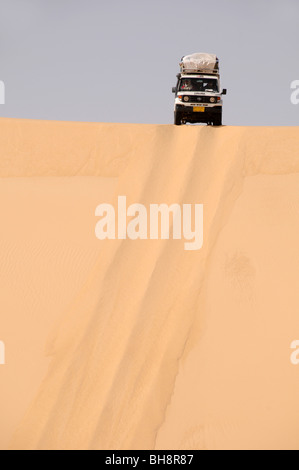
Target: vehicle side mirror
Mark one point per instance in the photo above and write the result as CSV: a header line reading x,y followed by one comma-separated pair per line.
x,y
224,91
173,89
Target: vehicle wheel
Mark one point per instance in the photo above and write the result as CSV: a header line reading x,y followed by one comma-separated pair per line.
x,y
177,118
218,120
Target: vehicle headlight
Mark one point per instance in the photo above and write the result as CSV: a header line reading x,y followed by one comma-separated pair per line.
x,y
212,100
186,98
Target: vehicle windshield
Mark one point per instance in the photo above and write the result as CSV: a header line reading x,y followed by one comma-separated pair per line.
x,y
199,84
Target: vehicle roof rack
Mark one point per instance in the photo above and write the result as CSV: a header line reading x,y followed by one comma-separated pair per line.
x,y
187,72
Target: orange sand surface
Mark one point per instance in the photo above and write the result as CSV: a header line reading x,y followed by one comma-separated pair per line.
x,y
139,344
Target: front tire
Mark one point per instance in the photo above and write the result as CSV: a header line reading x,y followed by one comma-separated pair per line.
x,y
218,120
177,118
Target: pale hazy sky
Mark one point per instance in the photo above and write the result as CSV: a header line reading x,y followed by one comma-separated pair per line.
x,y
116,60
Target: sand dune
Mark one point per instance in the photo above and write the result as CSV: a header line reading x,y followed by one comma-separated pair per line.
x,y
139,344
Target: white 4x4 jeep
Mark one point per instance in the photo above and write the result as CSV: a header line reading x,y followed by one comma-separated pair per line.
x,y
197,94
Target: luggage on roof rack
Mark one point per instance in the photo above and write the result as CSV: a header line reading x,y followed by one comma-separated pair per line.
x,y
200,62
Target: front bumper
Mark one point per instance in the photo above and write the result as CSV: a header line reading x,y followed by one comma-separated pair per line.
x,y
189,115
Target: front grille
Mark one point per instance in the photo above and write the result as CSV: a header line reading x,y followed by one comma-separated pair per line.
x,y
199,99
